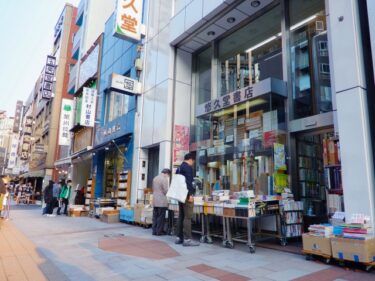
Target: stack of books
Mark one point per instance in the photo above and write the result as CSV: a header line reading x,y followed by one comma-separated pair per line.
x,y
357,231
322,230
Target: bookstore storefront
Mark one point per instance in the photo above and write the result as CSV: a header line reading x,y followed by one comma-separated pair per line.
x,y
244,102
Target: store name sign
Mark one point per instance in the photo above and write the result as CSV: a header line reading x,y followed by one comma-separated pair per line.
x,y
88,107
48,78
263,87
66,121
111,130
125,85
128,19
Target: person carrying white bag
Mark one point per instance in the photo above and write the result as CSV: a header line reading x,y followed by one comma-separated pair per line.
x,y
182,190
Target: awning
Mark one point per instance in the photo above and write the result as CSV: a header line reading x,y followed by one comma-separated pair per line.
x,y
63,161
34,174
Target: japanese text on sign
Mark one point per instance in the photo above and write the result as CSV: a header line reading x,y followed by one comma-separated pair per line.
x,y
48,77
66,121
129,19
88,107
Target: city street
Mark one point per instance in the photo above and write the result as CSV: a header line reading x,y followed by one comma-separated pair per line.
x,y
36,247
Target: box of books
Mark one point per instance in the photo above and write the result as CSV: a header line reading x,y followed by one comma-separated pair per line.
x,y
318,245
353,249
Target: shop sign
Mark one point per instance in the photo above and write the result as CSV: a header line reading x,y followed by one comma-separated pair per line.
x,y
88,67
181,144
17,117
126,85
13,153
111,130
39,148
48,78
128,19
263,87
66,121
88,107
58,26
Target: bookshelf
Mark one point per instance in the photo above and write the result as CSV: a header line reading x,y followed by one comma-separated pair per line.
x,y
123,190
292,219
109,184
90,191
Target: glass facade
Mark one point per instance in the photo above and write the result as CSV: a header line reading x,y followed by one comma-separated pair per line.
x,y
310,72
244,146
117,105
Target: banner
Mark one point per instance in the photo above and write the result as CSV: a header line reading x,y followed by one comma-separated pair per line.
x,y
128,19
13,153
181,144
88,107
279,156
66,121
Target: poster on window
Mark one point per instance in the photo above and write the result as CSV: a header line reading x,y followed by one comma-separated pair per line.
x,y
279,156
66,121
88,107
181,143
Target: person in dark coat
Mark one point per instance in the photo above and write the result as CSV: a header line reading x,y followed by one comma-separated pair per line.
x,y
48,198
185,214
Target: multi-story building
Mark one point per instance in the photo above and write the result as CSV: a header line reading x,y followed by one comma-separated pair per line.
x,y
266,96
51,102
6,137
84,76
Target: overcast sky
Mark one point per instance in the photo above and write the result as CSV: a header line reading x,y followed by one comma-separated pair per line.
x,y
26,32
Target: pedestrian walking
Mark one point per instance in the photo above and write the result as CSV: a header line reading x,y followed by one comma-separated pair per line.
x,y
3,191
19,194
184,234
160,202
48,197
64,197
28,193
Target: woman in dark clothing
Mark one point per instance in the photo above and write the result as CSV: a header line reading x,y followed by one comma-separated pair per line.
x,y
48,197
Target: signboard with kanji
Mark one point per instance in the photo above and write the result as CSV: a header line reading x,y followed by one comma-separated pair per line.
x,y
126,85
128,19
66,121
13,152
17,117
88,107
48,77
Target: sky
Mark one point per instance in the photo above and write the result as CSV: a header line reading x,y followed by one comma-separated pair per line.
x,y
26,38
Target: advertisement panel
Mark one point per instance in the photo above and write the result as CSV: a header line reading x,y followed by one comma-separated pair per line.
x,y
66,121
128,19
13,152
17,117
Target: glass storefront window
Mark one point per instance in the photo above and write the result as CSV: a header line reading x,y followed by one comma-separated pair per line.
x,y
114,165
310,70
117,105
251,54
203,79
236,146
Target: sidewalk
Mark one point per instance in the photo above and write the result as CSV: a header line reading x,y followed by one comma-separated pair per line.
x,y
19,258
65,248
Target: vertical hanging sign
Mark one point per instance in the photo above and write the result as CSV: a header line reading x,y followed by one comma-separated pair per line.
x,y
48,78
128,19
88,107
66,121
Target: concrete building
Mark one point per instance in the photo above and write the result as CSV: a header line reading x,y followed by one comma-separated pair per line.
x,y
6,136
48,142
231,81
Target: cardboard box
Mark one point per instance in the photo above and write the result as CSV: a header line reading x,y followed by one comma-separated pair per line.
x,y
353,249
146,215
74,213
84,213
111,212
138,212
110,218
317,245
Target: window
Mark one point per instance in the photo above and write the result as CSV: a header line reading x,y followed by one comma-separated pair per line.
x,y
324,68
117,105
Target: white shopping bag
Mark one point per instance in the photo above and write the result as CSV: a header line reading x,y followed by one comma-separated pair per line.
x,y
178,189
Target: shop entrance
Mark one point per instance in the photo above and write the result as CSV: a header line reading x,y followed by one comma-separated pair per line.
x,y
153,164
318,174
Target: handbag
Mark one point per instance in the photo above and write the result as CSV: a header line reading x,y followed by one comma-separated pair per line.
x,y
178,189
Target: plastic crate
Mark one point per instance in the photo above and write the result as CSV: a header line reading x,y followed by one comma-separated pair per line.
x,y
127,215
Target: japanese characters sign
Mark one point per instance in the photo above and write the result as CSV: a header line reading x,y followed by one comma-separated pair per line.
x,y
129,19
13,152
88,107
48,77
66,121
125,85
264,87
17,117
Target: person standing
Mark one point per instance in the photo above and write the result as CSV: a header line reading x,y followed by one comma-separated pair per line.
x,y
184,234
160,202
48,198
56,195
19,194
64,196
28,193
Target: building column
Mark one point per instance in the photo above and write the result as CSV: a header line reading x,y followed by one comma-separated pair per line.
x,y
347,75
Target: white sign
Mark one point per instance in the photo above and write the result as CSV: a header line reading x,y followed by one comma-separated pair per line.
x,y
88,107
48,77
125,85
128,19
13,153
66,121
